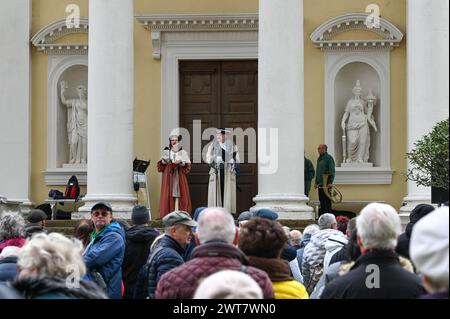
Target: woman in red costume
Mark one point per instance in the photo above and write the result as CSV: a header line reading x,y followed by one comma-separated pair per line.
x,y
175,165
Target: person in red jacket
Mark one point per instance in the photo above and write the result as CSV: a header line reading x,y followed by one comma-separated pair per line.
x,y
217,237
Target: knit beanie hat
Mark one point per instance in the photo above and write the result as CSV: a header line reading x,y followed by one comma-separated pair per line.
x,y
140,215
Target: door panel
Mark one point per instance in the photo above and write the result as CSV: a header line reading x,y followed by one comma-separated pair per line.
x,y
220,94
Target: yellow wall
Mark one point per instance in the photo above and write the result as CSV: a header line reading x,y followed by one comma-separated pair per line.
x,y
316,12
45,12
148,86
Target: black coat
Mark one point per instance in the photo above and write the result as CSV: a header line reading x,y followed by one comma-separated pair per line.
x,y
32,229
56,288
169,257
417,213
340,255
288,253
137,248
403,245
394,281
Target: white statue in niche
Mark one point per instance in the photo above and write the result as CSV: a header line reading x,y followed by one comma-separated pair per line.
x,y
76,124
355,125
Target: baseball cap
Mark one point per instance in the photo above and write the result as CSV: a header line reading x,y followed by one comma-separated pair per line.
x,y
178,217
102,204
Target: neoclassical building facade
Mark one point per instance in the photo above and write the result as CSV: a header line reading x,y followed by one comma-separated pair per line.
x,y
285,69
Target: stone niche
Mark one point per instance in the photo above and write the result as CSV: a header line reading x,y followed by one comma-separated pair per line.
x,y
344,83
67,61
356,51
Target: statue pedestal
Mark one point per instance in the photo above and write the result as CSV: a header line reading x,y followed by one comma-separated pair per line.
x,y
356,165
75,166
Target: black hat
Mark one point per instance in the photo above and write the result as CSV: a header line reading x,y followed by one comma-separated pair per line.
x,y
36,216
140,215
102,204
222,130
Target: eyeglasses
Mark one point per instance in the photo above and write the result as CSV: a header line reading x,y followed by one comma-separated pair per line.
x,y
97,213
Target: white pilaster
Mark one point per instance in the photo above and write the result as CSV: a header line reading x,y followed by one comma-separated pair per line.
x,y
111,98
428,79
15,105
281,106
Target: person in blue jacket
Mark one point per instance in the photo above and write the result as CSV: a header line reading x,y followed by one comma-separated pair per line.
x,y
104,254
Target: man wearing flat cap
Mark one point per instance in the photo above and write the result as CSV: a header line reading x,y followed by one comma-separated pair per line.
x,y
223,159
36,223
169,250
104,254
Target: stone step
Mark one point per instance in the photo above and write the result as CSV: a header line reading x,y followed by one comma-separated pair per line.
x,y
68,231
73,223
67,227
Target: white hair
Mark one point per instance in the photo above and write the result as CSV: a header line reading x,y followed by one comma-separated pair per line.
x,y
378,226
52,255
326,221
228,284
216,223
311,229
12,225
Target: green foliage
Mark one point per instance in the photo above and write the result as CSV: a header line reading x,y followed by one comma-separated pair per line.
x,y
429,158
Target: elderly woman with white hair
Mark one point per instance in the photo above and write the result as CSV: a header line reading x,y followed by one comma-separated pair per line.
x,y
50,267
12,231
377,273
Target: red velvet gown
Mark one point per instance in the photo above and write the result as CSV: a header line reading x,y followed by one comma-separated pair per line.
x,y
167,201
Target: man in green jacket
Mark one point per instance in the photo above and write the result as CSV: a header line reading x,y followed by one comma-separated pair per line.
x,y
325,165
309,175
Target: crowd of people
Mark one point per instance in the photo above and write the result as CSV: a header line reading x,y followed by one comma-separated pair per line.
x,y
212,256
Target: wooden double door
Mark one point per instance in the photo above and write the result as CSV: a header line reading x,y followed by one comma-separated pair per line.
x,y
221,94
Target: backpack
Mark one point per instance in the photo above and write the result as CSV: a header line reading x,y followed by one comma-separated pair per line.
x,y
72,188
314,279
140,289
54,194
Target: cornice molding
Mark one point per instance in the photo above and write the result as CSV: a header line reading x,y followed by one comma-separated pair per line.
x,y
44,39
322,36
160,23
